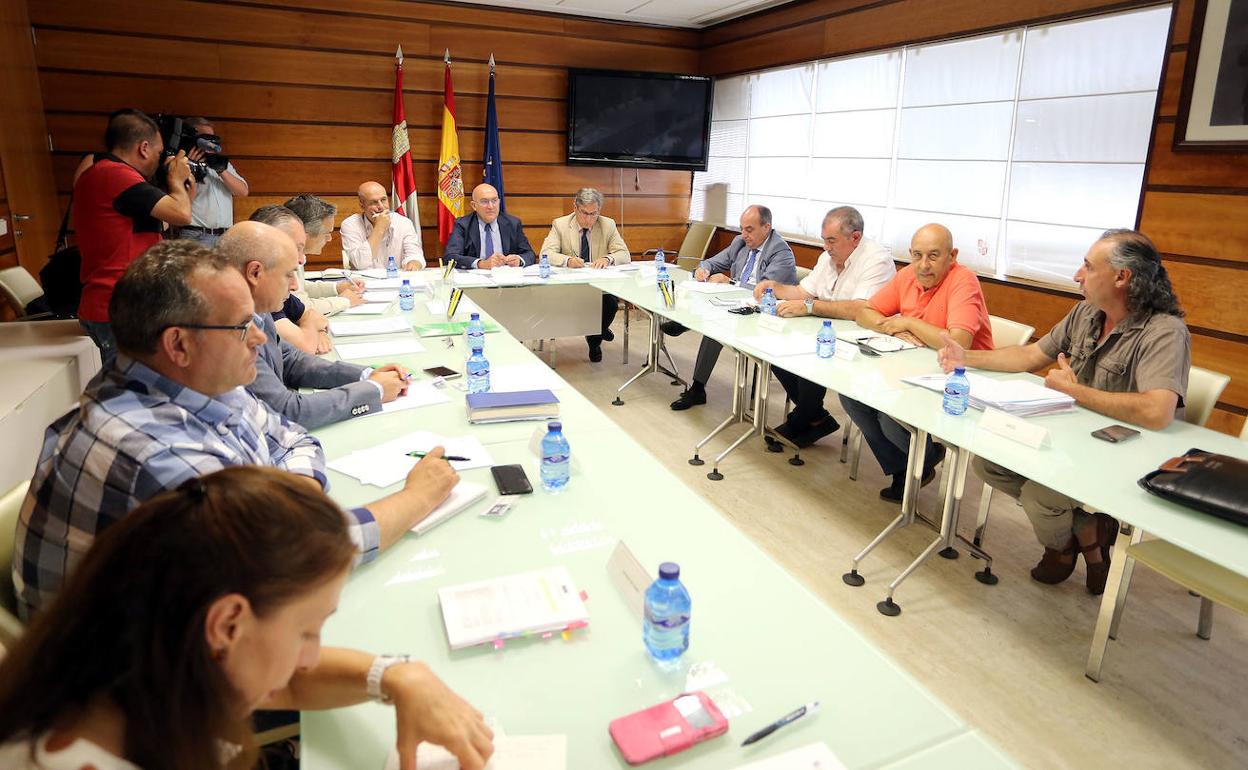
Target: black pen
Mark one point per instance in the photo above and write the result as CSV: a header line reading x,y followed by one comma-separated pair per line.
x,y
789,718
449,458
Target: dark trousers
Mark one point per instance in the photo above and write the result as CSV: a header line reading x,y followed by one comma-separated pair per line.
x,y
610,304
889,441
807,398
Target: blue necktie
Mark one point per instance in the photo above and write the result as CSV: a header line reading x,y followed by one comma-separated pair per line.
x,y
489,243
745,275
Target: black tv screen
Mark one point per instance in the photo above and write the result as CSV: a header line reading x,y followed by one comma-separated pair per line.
x,y
638,119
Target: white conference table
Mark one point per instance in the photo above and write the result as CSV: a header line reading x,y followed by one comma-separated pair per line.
x,y
761,643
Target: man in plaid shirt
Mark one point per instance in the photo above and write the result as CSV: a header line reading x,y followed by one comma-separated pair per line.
x,y
171,407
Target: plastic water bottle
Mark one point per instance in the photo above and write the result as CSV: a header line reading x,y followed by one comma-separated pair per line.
x,y
543,268
392,269
768,302
478,372
556,458
659,259
957,392
474,334
825,341
407,297
665,629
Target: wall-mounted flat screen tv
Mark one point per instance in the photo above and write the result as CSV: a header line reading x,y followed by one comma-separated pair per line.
x,y
638,119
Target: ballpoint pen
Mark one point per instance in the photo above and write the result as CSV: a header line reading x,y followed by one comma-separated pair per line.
x,y
788,718
449,458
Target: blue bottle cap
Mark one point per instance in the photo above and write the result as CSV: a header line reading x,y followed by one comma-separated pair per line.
x,y
827,324
476,316
959,370
554,426
406,282
669,570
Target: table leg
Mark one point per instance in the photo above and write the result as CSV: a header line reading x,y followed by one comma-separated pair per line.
x,y
627,309
1112,601
913,457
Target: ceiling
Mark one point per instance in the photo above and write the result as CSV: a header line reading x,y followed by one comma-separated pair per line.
x,y
693,14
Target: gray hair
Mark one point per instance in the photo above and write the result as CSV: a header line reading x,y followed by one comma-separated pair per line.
x,y
1150,290
586,196
848,216
155,293
312,211
274,215
764,213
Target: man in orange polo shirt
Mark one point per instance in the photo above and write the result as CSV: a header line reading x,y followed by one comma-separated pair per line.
x,y
933,295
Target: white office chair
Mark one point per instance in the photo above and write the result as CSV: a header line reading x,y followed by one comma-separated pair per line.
x,y
10,507
697,241
19,288
802,272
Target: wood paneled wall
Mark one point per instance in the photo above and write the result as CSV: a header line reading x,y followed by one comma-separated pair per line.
x,y
301,93
1195,204
8,248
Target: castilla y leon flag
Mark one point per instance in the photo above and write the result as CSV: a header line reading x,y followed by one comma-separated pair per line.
x,y
450,176
402,181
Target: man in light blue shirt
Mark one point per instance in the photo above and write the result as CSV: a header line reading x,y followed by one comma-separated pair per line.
x,y
212,210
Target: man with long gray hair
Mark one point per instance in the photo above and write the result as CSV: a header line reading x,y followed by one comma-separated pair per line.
x,y
1125,352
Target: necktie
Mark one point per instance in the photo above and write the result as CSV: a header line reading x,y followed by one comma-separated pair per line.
x,y
748,272
489,242
585,243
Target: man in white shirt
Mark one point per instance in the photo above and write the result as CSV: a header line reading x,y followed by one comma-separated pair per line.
x,y
849,271
212,210
372,236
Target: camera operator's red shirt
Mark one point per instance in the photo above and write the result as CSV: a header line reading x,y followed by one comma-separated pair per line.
x,y
114,225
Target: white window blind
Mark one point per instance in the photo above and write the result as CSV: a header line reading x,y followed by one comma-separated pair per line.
x,y
1026,144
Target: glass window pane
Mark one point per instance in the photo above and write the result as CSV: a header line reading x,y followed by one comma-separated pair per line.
x,y
732,98
975,238
788,136
973,188
872,216
1122,52
1091,195
779,176
788,215
854,134
961,131
697,205
786,91
981,69
730,171
1085,128
859,82
1048,253
728,137
734,204
864,180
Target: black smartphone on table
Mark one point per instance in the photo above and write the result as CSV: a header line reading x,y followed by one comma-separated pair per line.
x,y
511,479
1115,434
445,372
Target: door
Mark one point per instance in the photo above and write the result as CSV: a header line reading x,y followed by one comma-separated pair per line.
x,y
29,206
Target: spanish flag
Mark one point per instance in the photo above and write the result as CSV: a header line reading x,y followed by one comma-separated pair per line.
x,y
450,176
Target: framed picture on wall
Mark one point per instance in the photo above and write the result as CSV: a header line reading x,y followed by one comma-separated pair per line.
x,y
1213,106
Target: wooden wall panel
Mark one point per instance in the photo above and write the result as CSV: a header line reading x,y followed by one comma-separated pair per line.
x,y
8,246
302,93
1195,169
1198,225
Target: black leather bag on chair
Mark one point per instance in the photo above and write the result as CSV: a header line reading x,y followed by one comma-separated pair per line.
x,y
62,284
1212,483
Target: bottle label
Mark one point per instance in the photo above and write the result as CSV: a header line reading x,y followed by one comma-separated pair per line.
x,y
667,621
555,459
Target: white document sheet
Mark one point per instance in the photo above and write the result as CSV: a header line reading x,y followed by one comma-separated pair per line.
x,y
354,351
815,756
387,325
414,278
418,394
508,378
511,752
883,343
781,344
388,463
706,287
471,278
515,605
463,495
381,295
368,308
465,310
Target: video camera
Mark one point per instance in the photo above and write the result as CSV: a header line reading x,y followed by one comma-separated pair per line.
x,y
180,137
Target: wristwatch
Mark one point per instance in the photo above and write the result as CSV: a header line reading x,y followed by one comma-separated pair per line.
x,y
810,307
375,672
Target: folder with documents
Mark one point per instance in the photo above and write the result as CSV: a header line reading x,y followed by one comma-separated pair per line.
x,y
537,602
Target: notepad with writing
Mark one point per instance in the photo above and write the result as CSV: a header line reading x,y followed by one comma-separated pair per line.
x,y
536,602
512,405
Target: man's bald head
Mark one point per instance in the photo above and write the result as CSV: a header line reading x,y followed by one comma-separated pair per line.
x,y
373,200
933,234
370,190
932,254
267,258
485,202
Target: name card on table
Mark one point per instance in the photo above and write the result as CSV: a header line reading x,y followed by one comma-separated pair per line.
x,y
845,352
1014,428
772,323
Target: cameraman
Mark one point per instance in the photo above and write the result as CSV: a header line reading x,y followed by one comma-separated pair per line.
x,y
118,213
212,211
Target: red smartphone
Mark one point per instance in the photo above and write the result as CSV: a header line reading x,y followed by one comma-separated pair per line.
x,y
668,728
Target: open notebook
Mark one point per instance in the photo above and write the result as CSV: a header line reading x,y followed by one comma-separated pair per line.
x,y
534,602
463,495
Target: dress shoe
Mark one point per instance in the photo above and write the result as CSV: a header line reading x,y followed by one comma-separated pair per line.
x,y
608,335
693,396
895,491
672,329
1106,534
812,433
595,353
1055,566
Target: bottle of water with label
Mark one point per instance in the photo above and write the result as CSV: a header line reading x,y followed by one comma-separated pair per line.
x,y
659,259
478,372
768,302
556,458
392,268
474,334
825,341
407,297
543,268
665,629
957,392
663,279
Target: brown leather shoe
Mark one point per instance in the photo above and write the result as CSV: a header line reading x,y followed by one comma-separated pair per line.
x,y
1106,534
1054,567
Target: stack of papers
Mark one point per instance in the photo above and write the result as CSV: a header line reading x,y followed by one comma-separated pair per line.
x,y
507,607
354,351
471,278
1021,398
781,344
706,287
511,752
368,308
881,343
448,328
389,463
416,280
512,406
388,325
418,394
381,295
463,495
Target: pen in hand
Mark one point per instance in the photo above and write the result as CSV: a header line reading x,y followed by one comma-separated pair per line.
x,y
788,718
449,458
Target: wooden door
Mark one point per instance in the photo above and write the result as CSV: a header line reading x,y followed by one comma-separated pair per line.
x,y
29,205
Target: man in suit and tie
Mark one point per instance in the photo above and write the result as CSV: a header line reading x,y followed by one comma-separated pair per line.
x,y
757,254
487,238
585,238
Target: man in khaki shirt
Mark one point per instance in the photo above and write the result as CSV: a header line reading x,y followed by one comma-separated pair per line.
x,y
1124,352
585,238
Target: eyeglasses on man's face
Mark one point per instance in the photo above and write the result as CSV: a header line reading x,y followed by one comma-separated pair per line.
x,y
242,329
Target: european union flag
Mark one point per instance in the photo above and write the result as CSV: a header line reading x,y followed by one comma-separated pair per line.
x,y
493,156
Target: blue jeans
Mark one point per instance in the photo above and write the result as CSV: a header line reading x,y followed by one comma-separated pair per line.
x,y
101,333
207,239
889,442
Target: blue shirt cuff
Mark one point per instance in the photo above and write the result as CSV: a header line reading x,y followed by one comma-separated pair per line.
x,y
366,534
